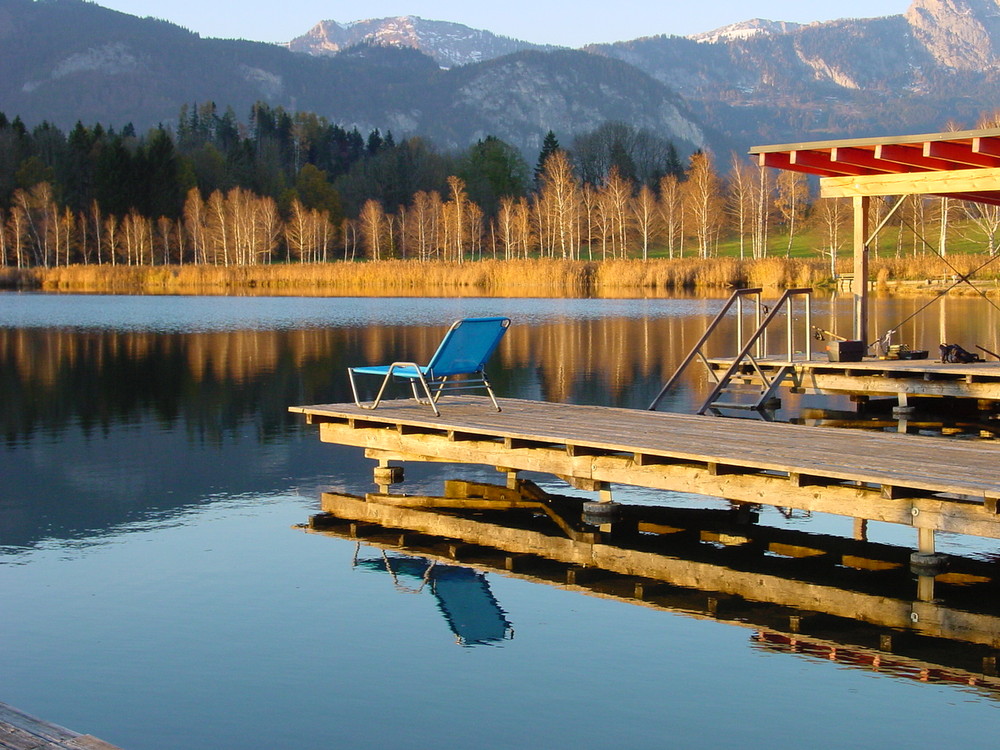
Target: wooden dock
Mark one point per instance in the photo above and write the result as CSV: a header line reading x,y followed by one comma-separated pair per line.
x,y
928,483
901,378
21,731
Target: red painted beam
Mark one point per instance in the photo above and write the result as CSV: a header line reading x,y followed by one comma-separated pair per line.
x,y
861,157
782,160
989,145
819,162
913,158
960,153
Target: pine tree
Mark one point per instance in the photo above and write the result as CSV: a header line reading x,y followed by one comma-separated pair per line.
x,y
549,146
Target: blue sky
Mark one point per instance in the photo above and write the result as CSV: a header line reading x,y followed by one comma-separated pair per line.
x,y
531,20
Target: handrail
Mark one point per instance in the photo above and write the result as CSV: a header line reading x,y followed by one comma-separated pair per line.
x,y
736,296
759,335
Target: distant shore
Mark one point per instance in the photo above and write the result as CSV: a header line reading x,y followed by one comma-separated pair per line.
x,y
510,278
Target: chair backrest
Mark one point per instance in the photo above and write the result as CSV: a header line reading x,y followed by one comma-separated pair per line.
x,y
467,346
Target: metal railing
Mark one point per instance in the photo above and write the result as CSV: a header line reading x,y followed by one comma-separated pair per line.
x,y
752,349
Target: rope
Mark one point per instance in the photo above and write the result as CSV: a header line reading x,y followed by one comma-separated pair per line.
x,y
962,278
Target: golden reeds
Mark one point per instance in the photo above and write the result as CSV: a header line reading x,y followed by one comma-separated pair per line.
x,y
538,277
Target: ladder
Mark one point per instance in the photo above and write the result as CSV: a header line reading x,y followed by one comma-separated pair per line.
x,y
737,383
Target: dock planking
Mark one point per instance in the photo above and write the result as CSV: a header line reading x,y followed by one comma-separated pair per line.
x,y
21,731
919,481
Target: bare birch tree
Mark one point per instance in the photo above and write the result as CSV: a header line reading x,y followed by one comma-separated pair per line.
x,y
703,202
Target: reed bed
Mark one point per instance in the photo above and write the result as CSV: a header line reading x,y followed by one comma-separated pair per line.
x,y
537,277
716,273
931,267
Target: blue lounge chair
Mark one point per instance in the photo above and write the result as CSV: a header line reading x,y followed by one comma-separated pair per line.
x,y
462,353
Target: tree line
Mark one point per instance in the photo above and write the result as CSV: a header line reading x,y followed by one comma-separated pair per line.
x,y
285,187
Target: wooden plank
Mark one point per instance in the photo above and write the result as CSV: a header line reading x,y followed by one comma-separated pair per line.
x,y
21,731
876,476
88,742
12,738
699,440
912,183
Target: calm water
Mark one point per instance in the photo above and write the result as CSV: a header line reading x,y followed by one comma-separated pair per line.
x,y
159,593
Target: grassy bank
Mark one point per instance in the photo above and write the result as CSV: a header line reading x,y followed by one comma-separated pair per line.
x,y
618,278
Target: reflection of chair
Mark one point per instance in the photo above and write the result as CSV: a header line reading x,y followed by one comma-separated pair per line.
x,y
463,595
463,352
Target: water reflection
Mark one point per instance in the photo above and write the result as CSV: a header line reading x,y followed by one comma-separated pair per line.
x,y
854,602
140,406
147,449
462,594
606,352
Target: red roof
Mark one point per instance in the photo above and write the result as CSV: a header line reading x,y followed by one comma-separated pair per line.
x,y
930,154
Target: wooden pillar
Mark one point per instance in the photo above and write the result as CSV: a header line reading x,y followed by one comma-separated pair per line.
x,y
386,474
925,588
925,541
861,529
862,206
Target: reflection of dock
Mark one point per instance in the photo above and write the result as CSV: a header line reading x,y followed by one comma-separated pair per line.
x,y
955,422
913,480
902,378
852,602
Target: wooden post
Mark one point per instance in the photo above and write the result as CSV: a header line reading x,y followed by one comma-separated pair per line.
x,y
386,474
862,205
861,529
925,541
925,588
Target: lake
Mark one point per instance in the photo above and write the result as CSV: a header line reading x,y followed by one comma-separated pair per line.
x,y
160,591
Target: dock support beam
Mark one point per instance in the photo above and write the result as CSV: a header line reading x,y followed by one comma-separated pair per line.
x,y
862,206
385,474
926,561
602,512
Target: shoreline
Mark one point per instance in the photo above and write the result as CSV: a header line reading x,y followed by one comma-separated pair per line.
x,y
487,278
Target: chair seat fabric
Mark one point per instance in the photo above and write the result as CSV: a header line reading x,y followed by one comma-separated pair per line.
x,y
463,351
402,372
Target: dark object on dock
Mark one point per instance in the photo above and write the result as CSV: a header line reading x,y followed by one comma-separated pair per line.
x,y
846,351
20,730
955,353
902,351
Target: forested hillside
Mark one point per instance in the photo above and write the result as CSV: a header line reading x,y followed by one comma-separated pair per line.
x,y
69,60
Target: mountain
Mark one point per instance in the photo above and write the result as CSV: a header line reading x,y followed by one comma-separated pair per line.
x,y
763,82
450,44
567,91
69,60
751,83
745,30
959,34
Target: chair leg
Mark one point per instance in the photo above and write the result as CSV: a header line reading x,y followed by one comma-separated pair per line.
x,y
413,387
489,390
427,390
378,397
440,387
354,388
